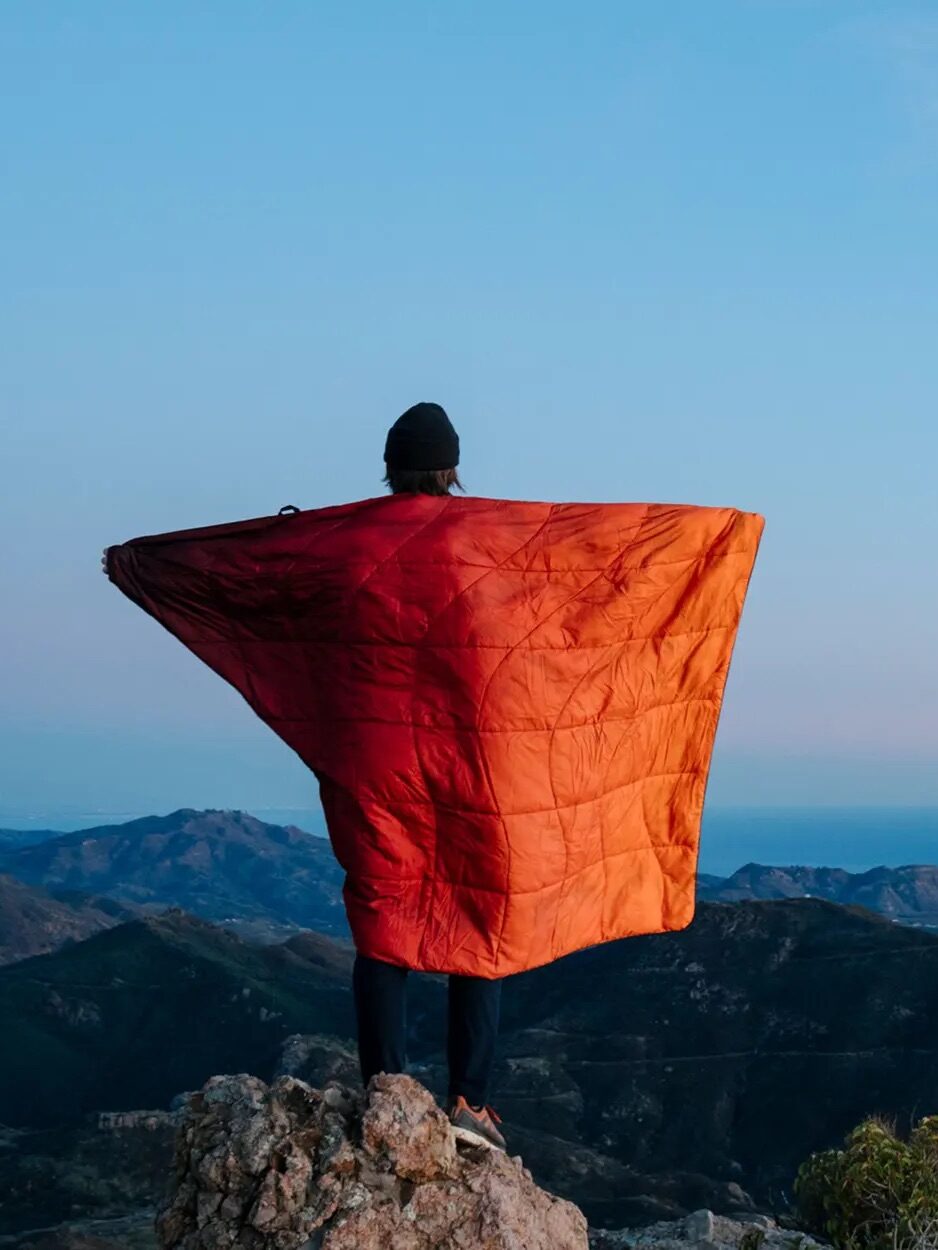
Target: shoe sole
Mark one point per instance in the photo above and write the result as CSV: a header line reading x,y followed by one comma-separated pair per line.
x,y
472,1138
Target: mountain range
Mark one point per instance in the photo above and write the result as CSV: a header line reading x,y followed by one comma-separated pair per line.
x,y
908,894
265,880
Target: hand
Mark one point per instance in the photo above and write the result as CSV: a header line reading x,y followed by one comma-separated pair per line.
x,y
104,562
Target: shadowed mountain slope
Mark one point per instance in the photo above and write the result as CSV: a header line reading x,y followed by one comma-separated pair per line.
x,y
138,1013
733,1048
11,838
33,922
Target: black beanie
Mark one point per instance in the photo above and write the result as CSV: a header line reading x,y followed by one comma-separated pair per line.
x,y
422,438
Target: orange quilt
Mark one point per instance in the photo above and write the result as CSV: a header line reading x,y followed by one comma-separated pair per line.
x,y
510,707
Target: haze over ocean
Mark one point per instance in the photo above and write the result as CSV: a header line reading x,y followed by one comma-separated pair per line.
x,y
675,252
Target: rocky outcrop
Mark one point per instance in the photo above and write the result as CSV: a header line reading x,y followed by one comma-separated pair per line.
x,y
286,1166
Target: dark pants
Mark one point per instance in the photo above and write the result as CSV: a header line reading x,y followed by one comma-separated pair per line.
x,y
380,1003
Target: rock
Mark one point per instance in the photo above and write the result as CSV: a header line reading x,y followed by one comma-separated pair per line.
x,y
758,1220
737,1193
289,1167
149,1121
699,1225
703,1230
411,1134
318,1060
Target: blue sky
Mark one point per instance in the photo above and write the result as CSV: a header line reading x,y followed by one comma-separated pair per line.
x,y
673,252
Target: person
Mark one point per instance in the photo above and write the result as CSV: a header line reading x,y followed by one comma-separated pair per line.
x,y
421,457
510,707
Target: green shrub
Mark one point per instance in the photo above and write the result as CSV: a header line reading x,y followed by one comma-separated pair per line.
x,y
879,1193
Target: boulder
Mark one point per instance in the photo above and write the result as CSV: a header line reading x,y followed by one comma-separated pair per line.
x,y
290,1167
703,1230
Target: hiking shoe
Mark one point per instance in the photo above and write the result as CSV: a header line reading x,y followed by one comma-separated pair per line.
x,y
476,1125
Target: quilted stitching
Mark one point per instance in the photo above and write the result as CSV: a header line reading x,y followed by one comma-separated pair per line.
x,y
513,764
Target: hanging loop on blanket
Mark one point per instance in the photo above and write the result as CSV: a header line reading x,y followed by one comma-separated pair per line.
x,y
287,509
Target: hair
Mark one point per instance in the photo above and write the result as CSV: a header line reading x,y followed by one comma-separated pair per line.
x,y
421,481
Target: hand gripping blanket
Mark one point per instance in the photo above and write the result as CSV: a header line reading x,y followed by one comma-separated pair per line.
x,y
510,707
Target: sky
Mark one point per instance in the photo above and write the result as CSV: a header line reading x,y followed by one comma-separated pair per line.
x,y
652,252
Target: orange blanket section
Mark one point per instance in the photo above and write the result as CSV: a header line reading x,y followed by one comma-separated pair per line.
x,y
511,707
